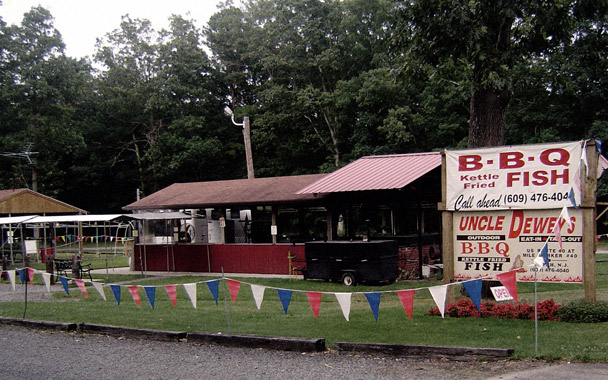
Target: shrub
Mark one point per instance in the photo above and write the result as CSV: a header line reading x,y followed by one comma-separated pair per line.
x,y
583,311
547,310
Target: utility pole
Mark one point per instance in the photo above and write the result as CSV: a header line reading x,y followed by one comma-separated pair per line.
x,y
248,155
246,138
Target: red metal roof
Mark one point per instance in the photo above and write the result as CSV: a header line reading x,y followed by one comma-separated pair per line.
x,y
376,173
255,191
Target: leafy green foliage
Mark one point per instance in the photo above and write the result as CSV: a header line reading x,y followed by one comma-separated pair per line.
x,y
583,311
323,82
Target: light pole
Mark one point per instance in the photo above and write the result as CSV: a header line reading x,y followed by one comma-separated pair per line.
x,y
247,139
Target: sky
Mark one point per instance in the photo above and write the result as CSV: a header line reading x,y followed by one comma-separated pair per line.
x,y
81,22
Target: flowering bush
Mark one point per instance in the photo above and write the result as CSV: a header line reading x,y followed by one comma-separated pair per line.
x,y
547,310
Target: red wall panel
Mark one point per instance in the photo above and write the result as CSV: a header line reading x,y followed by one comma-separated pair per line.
x,y
232,258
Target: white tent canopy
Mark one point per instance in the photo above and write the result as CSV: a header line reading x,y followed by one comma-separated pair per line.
x,y
75,218
16,219
34,219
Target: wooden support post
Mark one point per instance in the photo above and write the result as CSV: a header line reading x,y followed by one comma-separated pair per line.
x,y
589,225
447,229
80,240
329,231
274,223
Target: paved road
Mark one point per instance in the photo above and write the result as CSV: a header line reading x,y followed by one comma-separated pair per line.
x,y
576,371
34,354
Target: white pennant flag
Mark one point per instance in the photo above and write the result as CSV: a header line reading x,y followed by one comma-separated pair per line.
x,y
11,278
344,301
258,294
584,157
577,181
566,216
191,291
46,278
439,293
99,288
538,262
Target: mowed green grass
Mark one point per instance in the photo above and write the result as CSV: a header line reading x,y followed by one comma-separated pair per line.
x,y
556,339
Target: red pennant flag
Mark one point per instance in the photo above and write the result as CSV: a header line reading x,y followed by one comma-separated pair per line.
x,y
80,284
30,274
315,302
134,289
510,282
407,300
172,292
233,287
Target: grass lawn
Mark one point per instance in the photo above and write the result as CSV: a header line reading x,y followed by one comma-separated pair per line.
x,y
101,261
556,339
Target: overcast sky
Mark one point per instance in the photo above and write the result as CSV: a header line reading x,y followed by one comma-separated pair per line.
x,y
82,21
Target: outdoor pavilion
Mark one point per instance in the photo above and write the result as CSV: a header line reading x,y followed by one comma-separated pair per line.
x,y
234,225
20,205
258,225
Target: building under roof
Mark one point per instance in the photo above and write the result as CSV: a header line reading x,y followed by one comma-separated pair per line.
x,y
382,197
25,201
372,190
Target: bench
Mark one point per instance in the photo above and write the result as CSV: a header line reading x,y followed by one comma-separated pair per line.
x,y
63,266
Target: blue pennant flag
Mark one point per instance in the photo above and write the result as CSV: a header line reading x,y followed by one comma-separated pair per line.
x,y
473,289
213,288
64,282
572,199
151,294
285,297
116,292
22,275
544,252
374,302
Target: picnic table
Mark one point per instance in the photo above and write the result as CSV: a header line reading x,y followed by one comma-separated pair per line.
x,y
67,268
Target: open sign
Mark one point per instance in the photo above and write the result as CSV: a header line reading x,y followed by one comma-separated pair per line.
x,y
501,293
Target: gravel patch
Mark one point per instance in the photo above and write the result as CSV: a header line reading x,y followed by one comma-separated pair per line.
x,y
35,293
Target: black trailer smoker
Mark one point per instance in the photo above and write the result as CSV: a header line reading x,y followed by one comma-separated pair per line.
x,y
352,261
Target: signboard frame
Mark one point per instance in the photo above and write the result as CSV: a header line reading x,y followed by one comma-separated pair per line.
x,y
540,176
586,202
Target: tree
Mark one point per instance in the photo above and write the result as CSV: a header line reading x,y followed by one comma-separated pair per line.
x,y
291,61
486,38
199,141
131,121
42,93
159,109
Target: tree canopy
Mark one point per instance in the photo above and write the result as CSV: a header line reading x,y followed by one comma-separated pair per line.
x,y
323,82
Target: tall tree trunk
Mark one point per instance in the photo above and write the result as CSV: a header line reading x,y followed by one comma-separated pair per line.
x,y
488,117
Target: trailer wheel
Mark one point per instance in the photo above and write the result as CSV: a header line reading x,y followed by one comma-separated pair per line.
x,y
348,279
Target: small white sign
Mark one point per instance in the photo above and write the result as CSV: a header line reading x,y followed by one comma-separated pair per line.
x,y
273,230
501,293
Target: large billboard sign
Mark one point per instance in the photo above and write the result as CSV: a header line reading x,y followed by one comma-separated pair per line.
x,y
542,176
489,243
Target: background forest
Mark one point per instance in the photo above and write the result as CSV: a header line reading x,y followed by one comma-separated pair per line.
x,y
323,82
